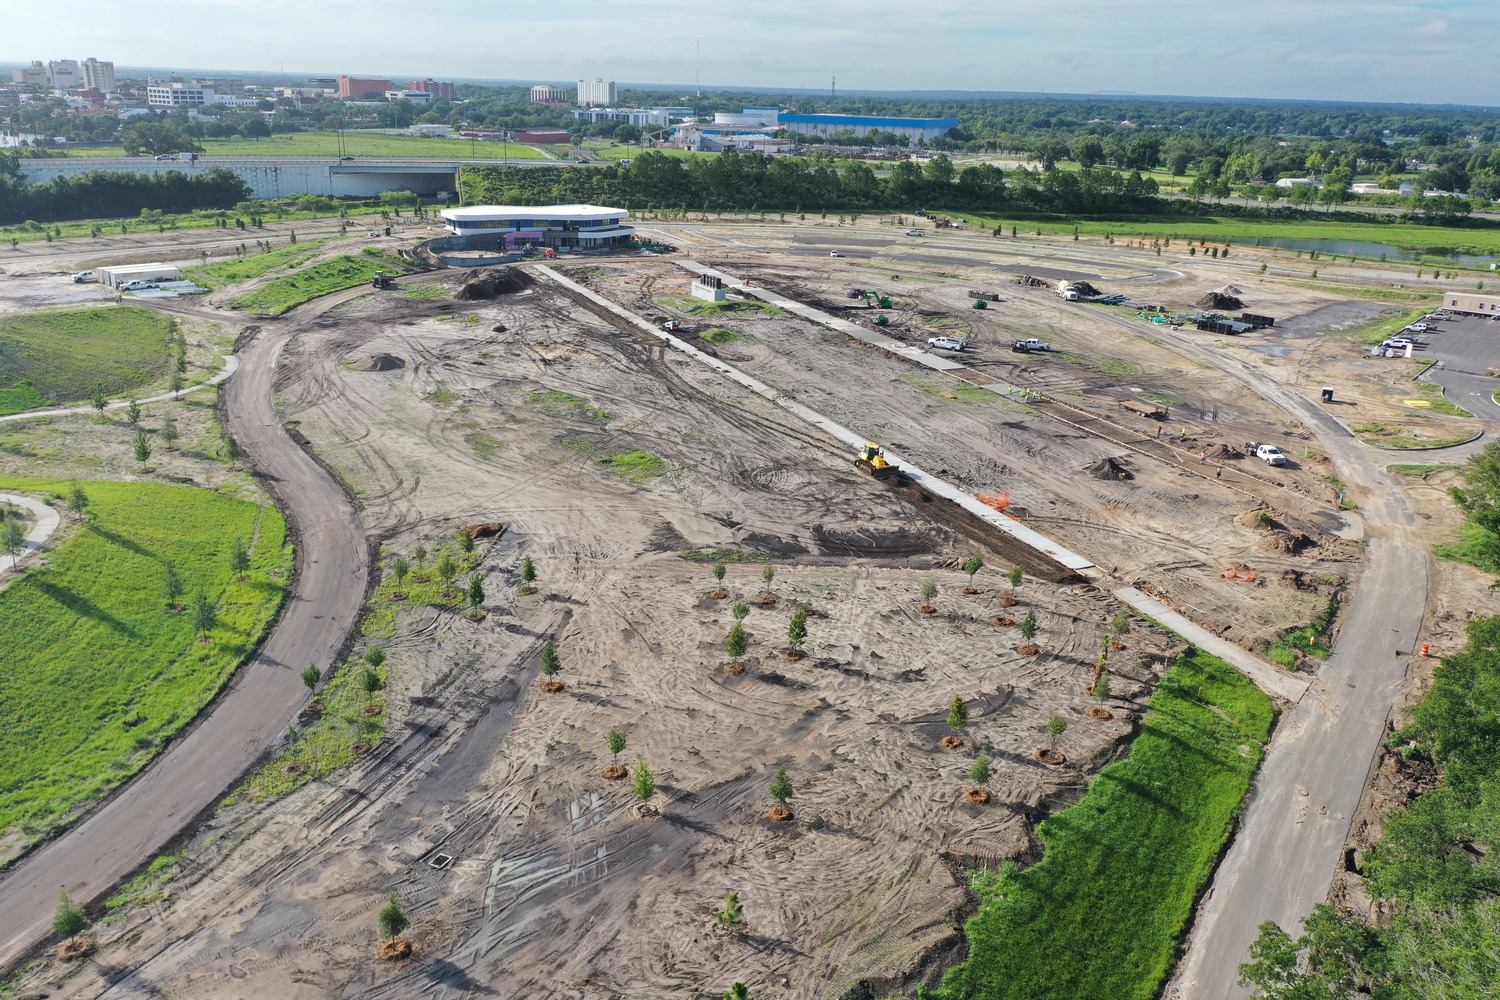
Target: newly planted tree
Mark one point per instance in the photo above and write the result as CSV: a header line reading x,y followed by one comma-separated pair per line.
x,y
369,680
616,740
68,920
732,916
78,501
97,399
133,413
1056,726
170,433
974,565
141,445
420,557
375,656
392,919
929,590
399,569
550,664
740,610
528,570
205,616
239,558
1015,576
644,784
447,570
796,630
171,583
719,571
781,787
1101,688
1028,625
465,543
768,574
980,772
310,676
737,641
739,991
476,591
13,538
958,714
1120,624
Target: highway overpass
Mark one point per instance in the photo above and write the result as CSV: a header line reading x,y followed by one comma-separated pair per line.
x,y
288,177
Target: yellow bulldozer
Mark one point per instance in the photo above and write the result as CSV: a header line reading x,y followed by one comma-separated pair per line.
x,y
872,460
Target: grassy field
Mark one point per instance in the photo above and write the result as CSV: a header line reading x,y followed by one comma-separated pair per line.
x,y
23,396
96,672
1100,916
63,353
231,272
607,152
356,143
1244,232
635,466
280,294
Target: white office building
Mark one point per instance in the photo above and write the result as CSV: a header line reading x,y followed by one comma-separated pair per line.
x,y
569,227
545,93
415,96
99,75
64,74
600,92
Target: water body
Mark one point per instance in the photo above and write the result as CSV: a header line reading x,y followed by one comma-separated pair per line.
x,y
1374,251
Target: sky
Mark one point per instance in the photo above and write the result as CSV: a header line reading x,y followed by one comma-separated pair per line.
x,y
1419,51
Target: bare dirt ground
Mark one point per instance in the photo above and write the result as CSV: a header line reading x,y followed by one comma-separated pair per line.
x,y
559,885
526,873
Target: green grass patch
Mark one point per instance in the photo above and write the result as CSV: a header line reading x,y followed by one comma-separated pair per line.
x,y
232,272
1100,917
425,292
279,295
95,671
63,353
947,388
567,406
719,555
1471,544
20,398
484,445
1420,471
147,887
1407,438
1385,327
719,335
730,307
1307,640
636,466
1433,394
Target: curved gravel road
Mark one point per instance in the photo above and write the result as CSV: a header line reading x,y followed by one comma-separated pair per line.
x,y
203,761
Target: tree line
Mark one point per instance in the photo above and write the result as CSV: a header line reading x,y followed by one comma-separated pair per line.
x,y
98,194
754,181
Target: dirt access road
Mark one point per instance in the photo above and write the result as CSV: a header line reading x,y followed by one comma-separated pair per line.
x,y
198,767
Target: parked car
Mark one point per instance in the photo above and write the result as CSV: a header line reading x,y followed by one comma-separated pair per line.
x,y
946,343
83,276
1035,345
1418,328
137,286
834,253
1268,453
915,232
1401,343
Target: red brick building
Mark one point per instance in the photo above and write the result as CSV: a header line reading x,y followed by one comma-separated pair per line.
x,y
354,88
437,88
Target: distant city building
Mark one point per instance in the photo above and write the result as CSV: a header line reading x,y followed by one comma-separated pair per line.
x,y
99,75
635,116
414,96
545,93
34,75
439,89
64,74
600,92
751,117
825,125
544,136
186,94
355,88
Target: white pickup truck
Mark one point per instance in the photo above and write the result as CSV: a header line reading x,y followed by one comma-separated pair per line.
x,y
1031,345
1268,453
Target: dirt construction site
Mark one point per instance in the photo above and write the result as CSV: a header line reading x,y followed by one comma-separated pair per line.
x,y
625,469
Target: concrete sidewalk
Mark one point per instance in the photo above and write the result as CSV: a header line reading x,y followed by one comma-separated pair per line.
x,y
47,521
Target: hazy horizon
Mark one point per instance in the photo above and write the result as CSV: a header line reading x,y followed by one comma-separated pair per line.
x,y
1386,52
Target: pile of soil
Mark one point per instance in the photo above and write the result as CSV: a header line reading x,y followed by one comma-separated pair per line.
x,y
75,948
552,687
1285,542
780,814
978,796
377,363
1109,469
1028,650
952,742
490,529
397,949
614,772
1218,300
491,282
1224,453
1102,714
1084,288
1004,621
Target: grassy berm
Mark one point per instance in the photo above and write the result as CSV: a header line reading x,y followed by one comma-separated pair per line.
x,y
1100,917
58,356
281,294
96,671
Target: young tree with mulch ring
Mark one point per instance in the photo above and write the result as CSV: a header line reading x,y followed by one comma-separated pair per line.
x,y
447,571
1028,625
974,565
528,570
68,921
399,569
1056,726
719,592
796,633
644,785
980,775
781,791
476,591
740,610
616,740
392,921
551,666
465,542
78,501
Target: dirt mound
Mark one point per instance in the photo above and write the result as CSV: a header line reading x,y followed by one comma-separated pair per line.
x,y
1218,300
488,283
1283,541
1109,469
377,363
1224,453
489,529
395,950
1230,290
1084,288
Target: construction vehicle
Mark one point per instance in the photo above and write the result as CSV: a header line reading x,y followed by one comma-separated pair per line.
x,y
980,304
872,460
382,280
882,320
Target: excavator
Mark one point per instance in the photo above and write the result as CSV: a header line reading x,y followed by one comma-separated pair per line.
x,y
872,460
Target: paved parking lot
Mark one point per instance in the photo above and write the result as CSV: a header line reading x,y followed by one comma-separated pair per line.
x,y
1465,348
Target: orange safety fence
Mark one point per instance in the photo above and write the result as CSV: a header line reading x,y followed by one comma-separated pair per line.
x,y
1241,574
999,501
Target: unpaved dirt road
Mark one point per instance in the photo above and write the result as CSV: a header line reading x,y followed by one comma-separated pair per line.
x,y
201,763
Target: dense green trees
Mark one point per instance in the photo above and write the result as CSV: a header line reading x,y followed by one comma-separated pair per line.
x,y
98,194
